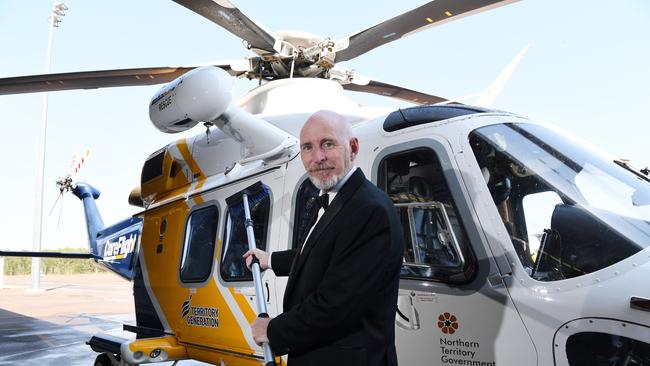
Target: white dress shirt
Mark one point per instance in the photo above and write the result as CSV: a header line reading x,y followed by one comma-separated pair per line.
x,y
332,193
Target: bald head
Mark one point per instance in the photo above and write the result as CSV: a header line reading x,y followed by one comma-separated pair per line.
x,y
331,120
327,148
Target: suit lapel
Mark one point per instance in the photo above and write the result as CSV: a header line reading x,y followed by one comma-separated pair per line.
x,y
342,197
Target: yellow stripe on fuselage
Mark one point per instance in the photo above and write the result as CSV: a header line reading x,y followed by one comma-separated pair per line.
x,y
244,305
184,149
234,311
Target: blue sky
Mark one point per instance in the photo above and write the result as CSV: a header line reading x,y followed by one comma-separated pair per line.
x,y
587,71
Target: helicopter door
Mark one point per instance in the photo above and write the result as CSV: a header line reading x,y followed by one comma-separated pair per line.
x,y
452,307
220,310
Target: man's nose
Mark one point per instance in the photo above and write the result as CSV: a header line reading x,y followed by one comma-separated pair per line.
x,y
317,155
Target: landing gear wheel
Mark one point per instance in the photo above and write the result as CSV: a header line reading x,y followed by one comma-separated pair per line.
x,y
103,360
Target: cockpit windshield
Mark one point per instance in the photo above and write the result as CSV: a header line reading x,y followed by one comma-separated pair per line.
x,y
568,209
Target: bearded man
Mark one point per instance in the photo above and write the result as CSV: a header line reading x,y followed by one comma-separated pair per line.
x,y
341,295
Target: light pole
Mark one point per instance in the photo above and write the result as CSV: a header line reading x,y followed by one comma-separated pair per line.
x,y
58,11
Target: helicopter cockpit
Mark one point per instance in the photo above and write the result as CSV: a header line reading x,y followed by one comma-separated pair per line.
x,y
436,244
568,210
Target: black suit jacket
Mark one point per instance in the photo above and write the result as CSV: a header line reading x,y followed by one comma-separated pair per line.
x,y
341,296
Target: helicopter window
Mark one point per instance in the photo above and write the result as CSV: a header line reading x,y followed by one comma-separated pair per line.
x,y
568,210
306,193
537,211
436,246
198,248
233,266
602,349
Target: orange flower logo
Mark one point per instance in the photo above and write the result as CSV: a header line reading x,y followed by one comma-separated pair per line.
x,y
448,323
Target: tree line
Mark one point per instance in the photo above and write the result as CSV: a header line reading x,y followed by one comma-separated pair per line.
x,y
23,266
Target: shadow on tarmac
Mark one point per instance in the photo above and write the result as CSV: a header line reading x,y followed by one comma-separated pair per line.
x,y
55,340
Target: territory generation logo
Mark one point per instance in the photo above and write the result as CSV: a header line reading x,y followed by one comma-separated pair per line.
x,y
199,316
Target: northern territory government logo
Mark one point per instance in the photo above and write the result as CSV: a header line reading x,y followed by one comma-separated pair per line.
x,y
459,351
448,323
199,316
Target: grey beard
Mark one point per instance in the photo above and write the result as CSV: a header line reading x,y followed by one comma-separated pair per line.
x,y
328,184
325,185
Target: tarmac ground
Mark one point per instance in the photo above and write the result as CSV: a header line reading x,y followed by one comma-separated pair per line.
x,y
50,326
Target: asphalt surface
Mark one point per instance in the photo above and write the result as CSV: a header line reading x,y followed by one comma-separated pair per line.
x,y
52,340
50,326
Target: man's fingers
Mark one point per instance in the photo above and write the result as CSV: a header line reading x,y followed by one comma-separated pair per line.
x,y
258,328
249,255
256,255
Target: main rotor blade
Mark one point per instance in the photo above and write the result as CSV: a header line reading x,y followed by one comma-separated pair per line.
x,y
433,13
228,16
490,94
90,79
93,79
394,91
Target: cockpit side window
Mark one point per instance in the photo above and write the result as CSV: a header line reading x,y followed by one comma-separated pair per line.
x,y
235,242
199,244
567,210
436,245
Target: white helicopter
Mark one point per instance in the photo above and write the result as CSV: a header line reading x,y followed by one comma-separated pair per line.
x,y
524,247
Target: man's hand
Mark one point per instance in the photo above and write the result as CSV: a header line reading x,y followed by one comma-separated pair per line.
x,y
261,255
259,330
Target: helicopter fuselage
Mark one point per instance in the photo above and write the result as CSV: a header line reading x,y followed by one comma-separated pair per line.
x,y
482,283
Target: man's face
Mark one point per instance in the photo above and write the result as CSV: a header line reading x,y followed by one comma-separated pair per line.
x,y
325,152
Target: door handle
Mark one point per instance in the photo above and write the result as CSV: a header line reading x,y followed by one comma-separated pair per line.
x,y
407,315
640,303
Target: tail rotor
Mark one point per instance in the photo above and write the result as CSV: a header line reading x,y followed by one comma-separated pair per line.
x,y
66,183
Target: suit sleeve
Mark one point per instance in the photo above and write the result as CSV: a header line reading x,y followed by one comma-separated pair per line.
x,y
281,262
355,274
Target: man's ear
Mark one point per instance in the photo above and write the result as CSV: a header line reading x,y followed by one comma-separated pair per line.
x,y
354,148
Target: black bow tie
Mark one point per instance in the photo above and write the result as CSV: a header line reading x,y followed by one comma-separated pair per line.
x,y
324,200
